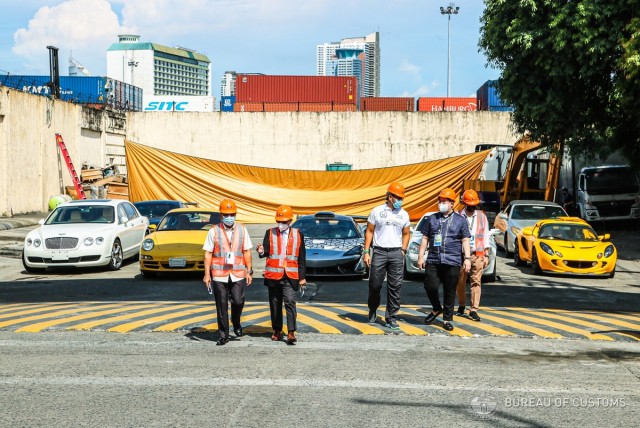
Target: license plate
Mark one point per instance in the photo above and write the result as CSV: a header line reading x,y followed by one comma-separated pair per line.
x,y
177,262
59,255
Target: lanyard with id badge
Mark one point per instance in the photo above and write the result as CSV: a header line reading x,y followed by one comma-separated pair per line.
x,y
438,239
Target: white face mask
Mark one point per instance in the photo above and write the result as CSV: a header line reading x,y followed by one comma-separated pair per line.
x,y
283,226
443,207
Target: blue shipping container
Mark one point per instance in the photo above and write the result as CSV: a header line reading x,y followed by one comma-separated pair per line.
x,y
101,91
488,98
227,102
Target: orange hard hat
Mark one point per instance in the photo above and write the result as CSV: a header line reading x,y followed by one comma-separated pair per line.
x,y
284,213
448,193
227,206
470,197
397,189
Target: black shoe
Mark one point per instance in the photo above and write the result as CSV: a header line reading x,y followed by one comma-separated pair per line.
x,y
222,341
431,317
238,331
447,326
474,316
460,312
373,317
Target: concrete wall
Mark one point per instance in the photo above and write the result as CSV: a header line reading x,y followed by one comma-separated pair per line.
x,y
311,140
31,170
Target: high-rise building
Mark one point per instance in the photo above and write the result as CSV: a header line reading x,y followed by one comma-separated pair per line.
x,y
228,84
157,69
354,56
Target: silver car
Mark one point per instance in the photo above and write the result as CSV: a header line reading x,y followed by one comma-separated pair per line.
x,y
520,214
411,259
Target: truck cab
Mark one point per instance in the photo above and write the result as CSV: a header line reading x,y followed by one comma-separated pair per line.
x,y
608,192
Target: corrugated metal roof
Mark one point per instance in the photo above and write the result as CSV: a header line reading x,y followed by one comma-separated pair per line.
x,y
160,48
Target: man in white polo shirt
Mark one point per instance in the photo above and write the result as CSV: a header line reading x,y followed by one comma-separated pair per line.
x,y
385,245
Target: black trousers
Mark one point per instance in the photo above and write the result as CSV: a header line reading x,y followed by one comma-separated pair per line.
x,y
391,264
447,275
282,291
223,292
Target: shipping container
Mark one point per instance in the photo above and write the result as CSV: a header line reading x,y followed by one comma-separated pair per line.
x,y
179,103
489,99
387,104
90,90
447,104
227,102
280,107
293,89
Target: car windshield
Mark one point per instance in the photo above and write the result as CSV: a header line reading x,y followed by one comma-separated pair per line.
x,y
82,214
155,210
612,181
192,220
327,228
536,212
568,232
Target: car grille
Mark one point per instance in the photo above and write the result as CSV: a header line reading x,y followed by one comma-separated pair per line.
x,y
575,264
60,243
615,209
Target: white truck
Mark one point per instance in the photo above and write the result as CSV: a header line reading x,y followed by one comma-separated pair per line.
x,y
607,192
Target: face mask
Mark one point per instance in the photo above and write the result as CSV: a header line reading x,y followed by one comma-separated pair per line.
x,y
471,208
443,207
283,226
229,220
397,204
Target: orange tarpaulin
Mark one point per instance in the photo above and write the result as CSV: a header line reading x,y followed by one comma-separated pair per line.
x,y
159,174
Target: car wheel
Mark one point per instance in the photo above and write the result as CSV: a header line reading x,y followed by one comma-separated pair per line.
x,y
116,255
492,276
613,272
507,253
31,269
516,255
148,274
534,263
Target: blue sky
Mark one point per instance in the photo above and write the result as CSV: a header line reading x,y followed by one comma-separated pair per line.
x,y
262,36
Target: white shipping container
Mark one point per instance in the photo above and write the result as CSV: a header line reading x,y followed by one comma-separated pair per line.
x,y
179,103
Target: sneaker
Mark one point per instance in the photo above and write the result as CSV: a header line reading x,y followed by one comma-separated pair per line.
x,y
474,316
393,325
373,317
460,312
447,326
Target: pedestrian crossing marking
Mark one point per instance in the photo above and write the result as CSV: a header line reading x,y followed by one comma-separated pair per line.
x,y
327,318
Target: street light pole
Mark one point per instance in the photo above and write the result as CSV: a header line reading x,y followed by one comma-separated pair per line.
x,y
452,9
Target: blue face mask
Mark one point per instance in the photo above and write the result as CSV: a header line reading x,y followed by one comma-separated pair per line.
x,y
397,204
229,220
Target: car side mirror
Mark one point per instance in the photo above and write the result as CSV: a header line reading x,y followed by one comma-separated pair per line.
x,y
152,227
604,237
503,216
527,231
412,229
41,222
124,219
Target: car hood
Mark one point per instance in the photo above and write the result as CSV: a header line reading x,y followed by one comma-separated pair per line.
x,y
521,224
168,238
577,247
332,245
73,230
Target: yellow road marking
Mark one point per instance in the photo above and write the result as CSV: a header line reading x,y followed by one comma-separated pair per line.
x,y
19,306
558,326
33,328
318,325
89,325
515,324
36,309
404,327
600,316
175,325
124,328
626,317
488,328
364,328
48,315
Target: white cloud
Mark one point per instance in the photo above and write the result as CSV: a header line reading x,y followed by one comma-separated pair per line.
x,y
84,27
409,68
423,90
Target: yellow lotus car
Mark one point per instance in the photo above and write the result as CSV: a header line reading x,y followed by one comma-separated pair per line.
x,y
565,245
175,245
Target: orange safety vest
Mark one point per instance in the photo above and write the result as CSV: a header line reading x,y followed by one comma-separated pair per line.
x,y
222,246
280,263
481,231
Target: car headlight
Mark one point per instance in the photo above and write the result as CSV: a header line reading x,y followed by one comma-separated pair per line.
x,y
99,240
357,250
88,241
29,241
515,230
414,248
546,248
148,244
37,242
608,251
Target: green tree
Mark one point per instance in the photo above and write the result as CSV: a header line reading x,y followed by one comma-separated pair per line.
x,y
571,69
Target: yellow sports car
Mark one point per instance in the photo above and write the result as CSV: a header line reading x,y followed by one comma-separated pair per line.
x,y
565,245
176,244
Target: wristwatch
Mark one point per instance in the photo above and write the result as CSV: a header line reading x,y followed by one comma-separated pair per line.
x,y
467,257
250,271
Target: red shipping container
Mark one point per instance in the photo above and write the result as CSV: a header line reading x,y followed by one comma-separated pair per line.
x,y
248,107
387,104
293,89
280,106
447,104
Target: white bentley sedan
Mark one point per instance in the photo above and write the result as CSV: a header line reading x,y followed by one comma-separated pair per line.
x,y
90,232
